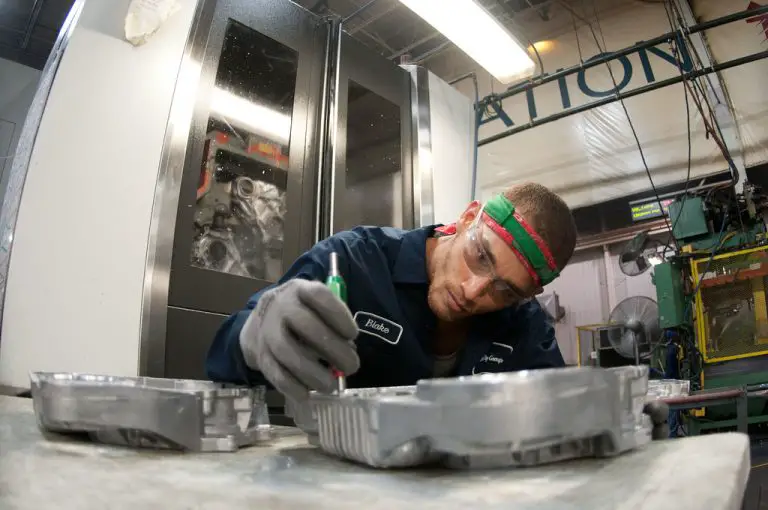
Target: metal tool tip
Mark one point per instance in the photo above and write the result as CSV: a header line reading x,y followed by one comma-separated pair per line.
x,y
334,264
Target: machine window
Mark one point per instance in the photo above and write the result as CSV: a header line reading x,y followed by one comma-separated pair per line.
x,y
241,190
373,135
374,160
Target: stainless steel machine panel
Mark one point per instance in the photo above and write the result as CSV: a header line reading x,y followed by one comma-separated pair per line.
x,y
372,174
272,159
246,204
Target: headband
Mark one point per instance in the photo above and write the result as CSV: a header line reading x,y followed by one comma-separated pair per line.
x,y
500,216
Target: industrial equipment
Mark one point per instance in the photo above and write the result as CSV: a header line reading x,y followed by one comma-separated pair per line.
x,y
711,292
628,338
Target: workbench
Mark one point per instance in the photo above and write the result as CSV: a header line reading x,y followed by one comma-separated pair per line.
x,y
37,473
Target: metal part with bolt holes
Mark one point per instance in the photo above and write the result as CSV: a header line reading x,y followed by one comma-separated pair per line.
x,y
488,420
150,412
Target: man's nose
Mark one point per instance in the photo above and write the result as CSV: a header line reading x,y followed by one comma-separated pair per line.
x,y
475,286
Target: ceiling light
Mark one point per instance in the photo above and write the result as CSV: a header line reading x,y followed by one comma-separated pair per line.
x,y
544,46
479,35
253,117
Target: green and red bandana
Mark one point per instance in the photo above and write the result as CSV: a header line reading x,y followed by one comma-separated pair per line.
x,y
500,216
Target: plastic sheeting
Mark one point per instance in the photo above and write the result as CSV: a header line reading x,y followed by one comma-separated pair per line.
x,y
746,84
592,157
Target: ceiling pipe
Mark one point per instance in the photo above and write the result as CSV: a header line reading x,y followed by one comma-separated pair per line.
x,y
431,53
359,11
620,235
372,19
415,44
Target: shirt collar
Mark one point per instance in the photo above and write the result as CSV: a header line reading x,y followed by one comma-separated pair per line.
x,y
411,263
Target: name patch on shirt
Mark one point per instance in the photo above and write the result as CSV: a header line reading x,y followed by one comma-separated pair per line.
x,y
379,327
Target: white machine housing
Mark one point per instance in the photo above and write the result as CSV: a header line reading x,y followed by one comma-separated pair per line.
x,y
80,224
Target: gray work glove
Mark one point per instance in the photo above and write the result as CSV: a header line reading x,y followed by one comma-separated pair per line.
x,y
291,329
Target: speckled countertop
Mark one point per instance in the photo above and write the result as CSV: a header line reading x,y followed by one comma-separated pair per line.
x,y
35,473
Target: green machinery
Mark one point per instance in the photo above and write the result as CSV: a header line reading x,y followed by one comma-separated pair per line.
x,y
711,296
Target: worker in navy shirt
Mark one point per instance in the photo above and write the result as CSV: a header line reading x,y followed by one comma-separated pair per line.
x,y
431,302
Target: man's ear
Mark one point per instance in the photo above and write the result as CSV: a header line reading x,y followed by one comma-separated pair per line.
x,y
468,216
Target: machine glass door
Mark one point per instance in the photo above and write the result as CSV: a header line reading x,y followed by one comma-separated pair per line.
x,y
373,152
245,211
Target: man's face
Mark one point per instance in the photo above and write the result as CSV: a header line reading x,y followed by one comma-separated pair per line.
x,y
477,273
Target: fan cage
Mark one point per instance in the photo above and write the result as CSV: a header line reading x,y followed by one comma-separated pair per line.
x,y
632,267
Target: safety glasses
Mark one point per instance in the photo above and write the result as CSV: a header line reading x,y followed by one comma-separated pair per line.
x,y
481,263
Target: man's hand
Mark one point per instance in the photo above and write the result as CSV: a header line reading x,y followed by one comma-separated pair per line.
x,y
291,329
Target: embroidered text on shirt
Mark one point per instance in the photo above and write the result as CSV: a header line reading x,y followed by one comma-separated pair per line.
x,y
379,327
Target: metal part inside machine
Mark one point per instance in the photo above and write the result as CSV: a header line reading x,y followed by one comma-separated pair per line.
x,y
731,313
241,206
488,420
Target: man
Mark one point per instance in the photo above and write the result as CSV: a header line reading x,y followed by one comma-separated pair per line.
x,y
430,302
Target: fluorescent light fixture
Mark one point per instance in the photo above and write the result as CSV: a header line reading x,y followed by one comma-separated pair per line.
x,y
479,35
254,117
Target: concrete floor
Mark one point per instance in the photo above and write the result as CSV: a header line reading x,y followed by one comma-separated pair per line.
x,y
756,495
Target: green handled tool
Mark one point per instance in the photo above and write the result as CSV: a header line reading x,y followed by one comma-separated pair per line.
x,y
338,288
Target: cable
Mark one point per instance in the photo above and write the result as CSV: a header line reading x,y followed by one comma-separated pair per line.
x,y
718,137
675,53
603,49
684,24
578,41
688,89
477,137
541,62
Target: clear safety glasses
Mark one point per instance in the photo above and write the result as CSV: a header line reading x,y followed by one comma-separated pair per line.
x,y
481,263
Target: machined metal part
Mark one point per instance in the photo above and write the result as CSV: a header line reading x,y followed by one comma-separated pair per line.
x,y
664,388
487,420
149,412
216,249
303,417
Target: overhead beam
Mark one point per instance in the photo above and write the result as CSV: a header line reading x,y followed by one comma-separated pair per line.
x,y
626,95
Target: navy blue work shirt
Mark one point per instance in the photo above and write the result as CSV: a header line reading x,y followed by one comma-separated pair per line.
x,y
386,274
